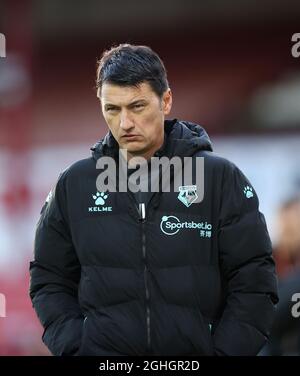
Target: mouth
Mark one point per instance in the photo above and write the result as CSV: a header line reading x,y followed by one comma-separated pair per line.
x,y
130,136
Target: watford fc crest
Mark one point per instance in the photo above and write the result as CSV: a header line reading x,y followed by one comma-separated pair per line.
x,y
187,194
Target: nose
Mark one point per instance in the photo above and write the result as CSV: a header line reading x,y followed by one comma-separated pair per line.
x,y
126,123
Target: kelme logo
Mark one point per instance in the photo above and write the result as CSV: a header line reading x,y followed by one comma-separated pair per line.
x,y
248,191
100,200
171,225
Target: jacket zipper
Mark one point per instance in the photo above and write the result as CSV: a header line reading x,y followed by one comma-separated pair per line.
x,y
142,213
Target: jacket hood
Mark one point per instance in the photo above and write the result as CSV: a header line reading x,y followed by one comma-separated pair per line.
x,y
182,138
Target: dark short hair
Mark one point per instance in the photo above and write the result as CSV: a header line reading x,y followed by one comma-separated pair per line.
x,y
130,65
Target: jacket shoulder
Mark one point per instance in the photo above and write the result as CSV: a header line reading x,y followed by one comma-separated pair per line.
x,y
215,160
80,167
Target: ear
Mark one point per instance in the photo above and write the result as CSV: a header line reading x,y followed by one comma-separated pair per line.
x,y
167,101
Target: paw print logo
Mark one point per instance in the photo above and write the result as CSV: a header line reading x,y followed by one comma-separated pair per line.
x,y
100,198
248,191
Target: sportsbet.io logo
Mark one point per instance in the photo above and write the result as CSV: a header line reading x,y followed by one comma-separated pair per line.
x,y
2,45
171,225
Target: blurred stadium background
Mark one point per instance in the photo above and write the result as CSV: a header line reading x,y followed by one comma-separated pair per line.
x,y
230,68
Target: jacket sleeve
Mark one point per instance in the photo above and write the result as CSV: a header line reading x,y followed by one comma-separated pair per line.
x,y
55,274
247,267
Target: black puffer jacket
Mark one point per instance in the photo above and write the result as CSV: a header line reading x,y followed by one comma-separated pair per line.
x,y
173,279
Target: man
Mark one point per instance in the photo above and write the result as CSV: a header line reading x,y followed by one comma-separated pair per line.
x,y
151,273
285,332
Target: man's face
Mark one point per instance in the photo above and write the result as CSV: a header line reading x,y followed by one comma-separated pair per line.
x,y
135,117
